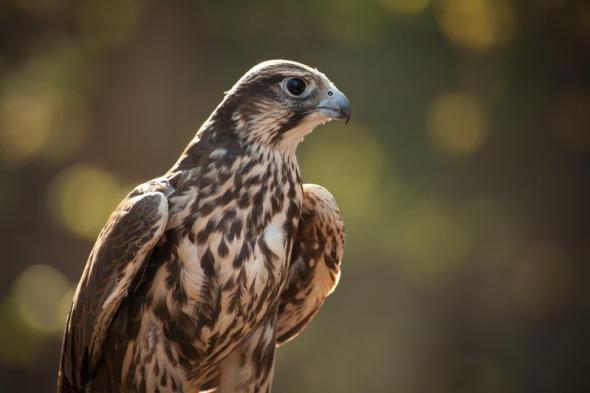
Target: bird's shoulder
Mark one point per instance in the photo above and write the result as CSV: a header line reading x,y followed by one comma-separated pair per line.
x,y
321,231
119,254
318,201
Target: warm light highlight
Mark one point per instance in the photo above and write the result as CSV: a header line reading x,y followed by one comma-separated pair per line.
x,y
39,294
82,197
458,123
476,25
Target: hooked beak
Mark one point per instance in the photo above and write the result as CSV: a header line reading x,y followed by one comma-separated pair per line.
x,y
335,104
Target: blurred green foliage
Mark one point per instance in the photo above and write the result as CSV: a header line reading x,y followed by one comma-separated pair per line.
x,y
463,176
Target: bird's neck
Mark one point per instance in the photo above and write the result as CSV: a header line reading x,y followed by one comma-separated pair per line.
x,y
251,175
217,145
221,142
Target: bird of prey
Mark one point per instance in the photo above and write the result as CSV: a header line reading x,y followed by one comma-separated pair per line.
x,y
200,274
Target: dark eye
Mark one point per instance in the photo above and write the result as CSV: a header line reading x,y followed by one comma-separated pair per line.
x,y
295,86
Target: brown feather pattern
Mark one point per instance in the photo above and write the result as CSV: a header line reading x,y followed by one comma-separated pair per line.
x,y
199,274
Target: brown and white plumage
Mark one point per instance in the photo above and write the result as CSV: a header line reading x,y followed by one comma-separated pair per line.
x,y
200,274
315,262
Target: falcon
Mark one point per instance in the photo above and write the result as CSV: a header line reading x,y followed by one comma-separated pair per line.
x,y
200,274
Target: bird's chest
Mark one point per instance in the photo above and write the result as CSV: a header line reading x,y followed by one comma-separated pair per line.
x,y
228,269
241,268
234,279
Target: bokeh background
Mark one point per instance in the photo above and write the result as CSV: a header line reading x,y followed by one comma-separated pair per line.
x,y
463,176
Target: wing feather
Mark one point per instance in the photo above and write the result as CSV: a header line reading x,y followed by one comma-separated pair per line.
x,y
117,257
315,262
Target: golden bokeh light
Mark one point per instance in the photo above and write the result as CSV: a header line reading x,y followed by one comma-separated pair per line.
x,y
82,197
38,294
476,25
25,123
406,7
458,123
39,116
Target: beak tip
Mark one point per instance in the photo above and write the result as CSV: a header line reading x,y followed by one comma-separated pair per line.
x,y
345,109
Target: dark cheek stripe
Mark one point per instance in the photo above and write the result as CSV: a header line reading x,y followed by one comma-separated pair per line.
x,y
293,122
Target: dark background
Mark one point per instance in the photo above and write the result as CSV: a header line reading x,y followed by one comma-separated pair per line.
x,y
462,177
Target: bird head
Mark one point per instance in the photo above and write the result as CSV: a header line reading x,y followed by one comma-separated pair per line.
x,y
278,102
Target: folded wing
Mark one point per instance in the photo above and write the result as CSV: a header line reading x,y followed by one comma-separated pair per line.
x,y
315,262
115,263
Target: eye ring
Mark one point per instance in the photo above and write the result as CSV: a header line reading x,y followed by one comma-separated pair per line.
x,y
295,86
